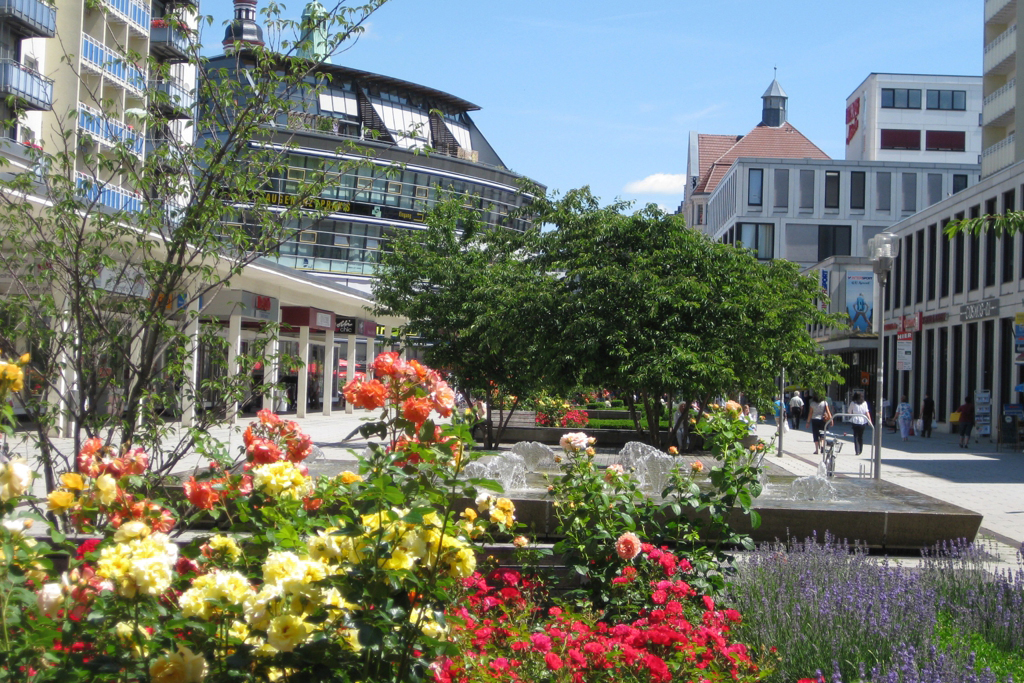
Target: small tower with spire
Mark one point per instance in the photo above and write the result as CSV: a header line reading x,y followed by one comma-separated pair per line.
x,y
773,109
313,43
243,27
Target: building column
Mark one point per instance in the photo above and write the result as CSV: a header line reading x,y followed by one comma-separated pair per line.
x,y
302,392
330,368
234,348
66,382
190,385
350,369
271,367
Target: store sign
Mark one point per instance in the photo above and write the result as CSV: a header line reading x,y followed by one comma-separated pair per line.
x,y
852,119
339,206
127,281
824,288
368,328
935,318
905,351
343,325
324,319
979,309
912,322
890,327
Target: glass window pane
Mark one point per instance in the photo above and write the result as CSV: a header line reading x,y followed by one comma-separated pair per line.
x,y
933,99
945,99
914,99
887,97
901,98
959,99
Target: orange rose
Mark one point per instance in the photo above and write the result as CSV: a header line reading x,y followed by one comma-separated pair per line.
x,y
201,494
417,409
264,452
388,364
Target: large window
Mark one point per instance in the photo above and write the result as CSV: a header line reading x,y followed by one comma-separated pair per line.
x,y
959,182
1009,201
947,99
934,186
895,138
834,240
944,265
831,189
910,192
932,254
857,182
758,237
883,191
781,188
901,98
945,140
806,189
755,186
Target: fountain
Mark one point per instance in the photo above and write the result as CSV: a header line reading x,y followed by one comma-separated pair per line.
x,y
536,456
815,487
508,469
651,466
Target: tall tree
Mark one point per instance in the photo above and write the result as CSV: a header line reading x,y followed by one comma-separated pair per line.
x,y
102,291
475,296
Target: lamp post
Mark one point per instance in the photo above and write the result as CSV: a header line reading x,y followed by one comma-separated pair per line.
x,y
883,249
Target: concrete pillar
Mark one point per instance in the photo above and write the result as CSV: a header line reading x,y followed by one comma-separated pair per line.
x,y
234,349
136,358
350,370
190,386
330,367
271,367
303,389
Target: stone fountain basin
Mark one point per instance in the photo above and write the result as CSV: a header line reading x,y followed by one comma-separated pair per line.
x,y
876,513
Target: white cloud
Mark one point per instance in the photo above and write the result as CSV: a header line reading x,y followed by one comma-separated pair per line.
x,y
658,183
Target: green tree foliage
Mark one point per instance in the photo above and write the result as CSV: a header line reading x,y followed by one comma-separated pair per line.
x,y
655,309
104,297
476,296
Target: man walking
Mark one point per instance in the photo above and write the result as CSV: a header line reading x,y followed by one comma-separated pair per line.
x,y
796,408
927,415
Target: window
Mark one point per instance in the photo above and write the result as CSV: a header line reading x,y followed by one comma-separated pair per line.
x,y
857,181
945,264
883,191
806,189
990,247
932,263
394,188
959,182
755,185
947,99
781,188
307,237
1009,200
934,188
700,214
831,189
833,240
910,192
421,193
901,98
894,138
919,272
945,140
974,267
908,268
758,237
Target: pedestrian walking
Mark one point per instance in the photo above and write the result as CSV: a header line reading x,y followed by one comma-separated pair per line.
x,y
966,421
819,413
861,418
796,406
927,415
905,417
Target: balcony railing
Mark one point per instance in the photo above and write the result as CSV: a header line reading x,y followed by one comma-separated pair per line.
x,y
1000,10
108,194
998,156
114,66
108,131
132,12
171,98
1000,103
33,18
31,88
168,41
1000,50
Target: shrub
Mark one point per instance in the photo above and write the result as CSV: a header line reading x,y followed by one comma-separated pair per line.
x,y
617,403
575,419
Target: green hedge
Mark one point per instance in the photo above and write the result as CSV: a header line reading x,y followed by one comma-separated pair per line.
x,y
621,424
596,406
617,403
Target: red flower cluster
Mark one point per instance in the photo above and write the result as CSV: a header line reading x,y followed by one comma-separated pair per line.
x,y
657,645
271,439
95,459
576,418
413,386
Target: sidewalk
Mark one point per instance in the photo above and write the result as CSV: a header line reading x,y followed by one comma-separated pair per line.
x,y
979,478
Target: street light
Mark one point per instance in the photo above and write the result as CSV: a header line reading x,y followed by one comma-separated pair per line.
x,y
883,249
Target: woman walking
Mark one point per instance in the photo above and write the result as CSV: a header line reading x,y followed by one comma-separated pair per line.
x,y
819,414
861,419
905,417
966,423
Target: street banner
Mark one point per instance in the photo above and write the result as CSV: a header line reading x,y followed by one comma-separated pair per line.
x,y
859,290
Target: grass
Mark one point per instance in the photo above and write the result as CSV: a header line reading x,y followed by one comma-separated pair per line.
x,y
988,655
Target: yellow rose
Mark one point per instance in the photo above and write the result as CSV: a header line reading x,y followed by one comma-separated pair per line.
x,y
132,529
15,479
106,487
72,480
183,666
25,358
347,477
287,632
59,501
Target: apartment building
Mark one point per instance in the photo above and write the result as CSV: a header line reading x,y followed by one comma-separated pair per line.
x,y
25,26
1002,104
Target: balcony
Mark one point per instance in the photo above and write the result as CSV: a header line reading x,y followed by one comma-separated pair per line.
x,y
998,108
131,12
107,131
1000,11
32,90
171,99
998,156
117,68
107,194
31,18
1000,52
168,41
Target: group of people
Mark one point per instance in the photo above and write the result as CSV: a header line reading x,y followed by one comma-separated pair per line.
x,y
818,413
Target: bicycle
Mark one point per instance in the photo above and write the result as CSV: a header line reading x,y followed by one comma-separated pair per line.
x,y
833,446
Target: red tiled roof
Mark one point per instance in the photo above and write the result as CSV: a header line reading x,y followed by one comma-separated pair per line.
x,y
764,142
711,148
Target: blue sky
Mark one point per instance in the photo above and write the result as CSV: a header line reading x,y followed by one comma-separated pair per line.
x,y
604,93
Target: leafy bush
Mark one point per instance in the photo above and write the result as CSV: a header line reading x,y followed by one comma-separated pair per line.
x,y
617,403
575,419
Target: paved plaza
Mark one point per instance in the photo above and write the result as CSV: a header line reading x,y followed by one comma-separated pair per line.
x,y
981,478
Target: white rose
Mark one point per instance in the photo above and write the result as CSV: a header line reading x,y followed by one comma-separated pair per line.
x,y
15,478
49,597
